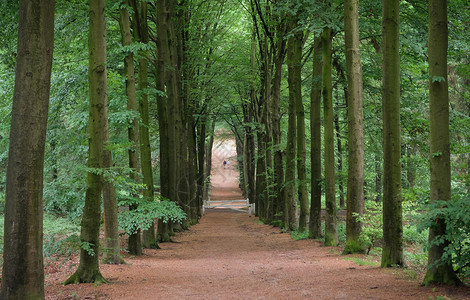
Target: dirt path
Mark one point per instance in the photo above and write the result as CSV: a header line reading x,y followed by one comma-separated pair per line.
x,y
229,255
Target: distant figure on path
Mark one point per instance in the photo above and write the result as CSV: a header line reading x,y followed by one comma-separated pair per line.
x,y
225,163
228,163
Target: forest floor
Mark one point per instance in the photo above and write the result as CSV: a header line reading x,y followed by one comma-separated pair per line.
x,y
229,255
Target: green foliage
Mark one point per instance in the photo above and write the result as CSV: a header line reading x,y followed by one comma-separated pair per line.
x,y
296,235
146,212
362,262
88,247
372,220
456,213
61,237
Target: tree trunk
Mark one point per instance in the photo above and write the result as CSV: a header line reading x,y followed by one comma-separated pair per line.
x,y
315,154
392,254
208,159
294,92
201,154
165,32
339,146
278,205
88,269
134,242
301,152
355,196
23,268
439,271
141,31
331,235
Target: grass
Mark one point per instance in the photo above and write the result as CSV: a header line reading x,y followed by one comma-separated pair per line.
x,y
368,261
60,235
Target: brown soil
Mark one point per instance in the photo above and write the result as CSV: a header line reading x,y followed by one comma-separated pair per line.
x,y
229,255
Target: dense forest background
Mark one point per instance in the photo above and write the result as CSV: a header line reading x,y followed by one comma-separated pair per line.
x,y
246,67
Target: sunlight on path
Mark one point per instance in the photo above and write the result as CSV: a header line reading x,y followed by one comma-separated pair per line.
x,y
224,177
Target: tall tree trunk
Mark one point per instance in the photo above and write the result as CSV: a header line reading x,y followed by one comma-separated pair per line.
x,y
23,268
201,153
208,159
331,235
134,243
439,271
294,92
301,152
110,211
141,30
165,33
392,254
88,269
339,146
355,196
278,205
315,154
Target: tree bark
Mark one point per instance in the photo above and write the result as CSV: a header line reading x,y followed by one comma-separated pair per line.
x,y
331,235
23,267
278,204
392,254
439,272
294,92
315,154
301,152
88,269
134,241
142,35
355,192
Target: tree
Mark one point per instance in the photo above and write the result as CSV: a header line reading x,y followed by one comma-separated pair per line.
x,y
355,193
88,269
135,242
392,254
23,269
294,53
331,235
141,34
315,154
300,127
439,271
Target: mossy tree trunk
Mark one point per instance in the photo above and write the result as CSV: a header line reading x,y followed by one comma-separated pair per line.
x,y
300,126
355,191
23,268
315,131
88,269
134,241
392,254
141,34
168,75
294,83
278,174
438,271
331,235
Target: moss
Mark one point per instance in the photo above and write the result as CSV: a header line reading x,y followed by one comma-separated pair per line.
x,y
331,240
353,247
86,276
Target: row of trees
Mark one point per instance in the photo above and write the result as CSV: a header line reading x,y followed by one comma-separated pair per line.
x,y
159,75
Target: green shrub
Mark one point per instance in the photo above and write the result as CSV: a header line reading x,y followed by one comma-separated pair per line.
x,y
456,214
146,212
372,231
61,237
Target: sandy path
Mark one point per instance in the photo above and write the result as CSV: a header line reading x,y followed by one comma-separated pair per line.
x,y
228,255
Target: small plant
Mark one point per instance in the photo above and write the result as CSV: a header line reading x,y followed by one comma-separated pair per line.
x,y
372,220
296,235
456,213
362,262
146,212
